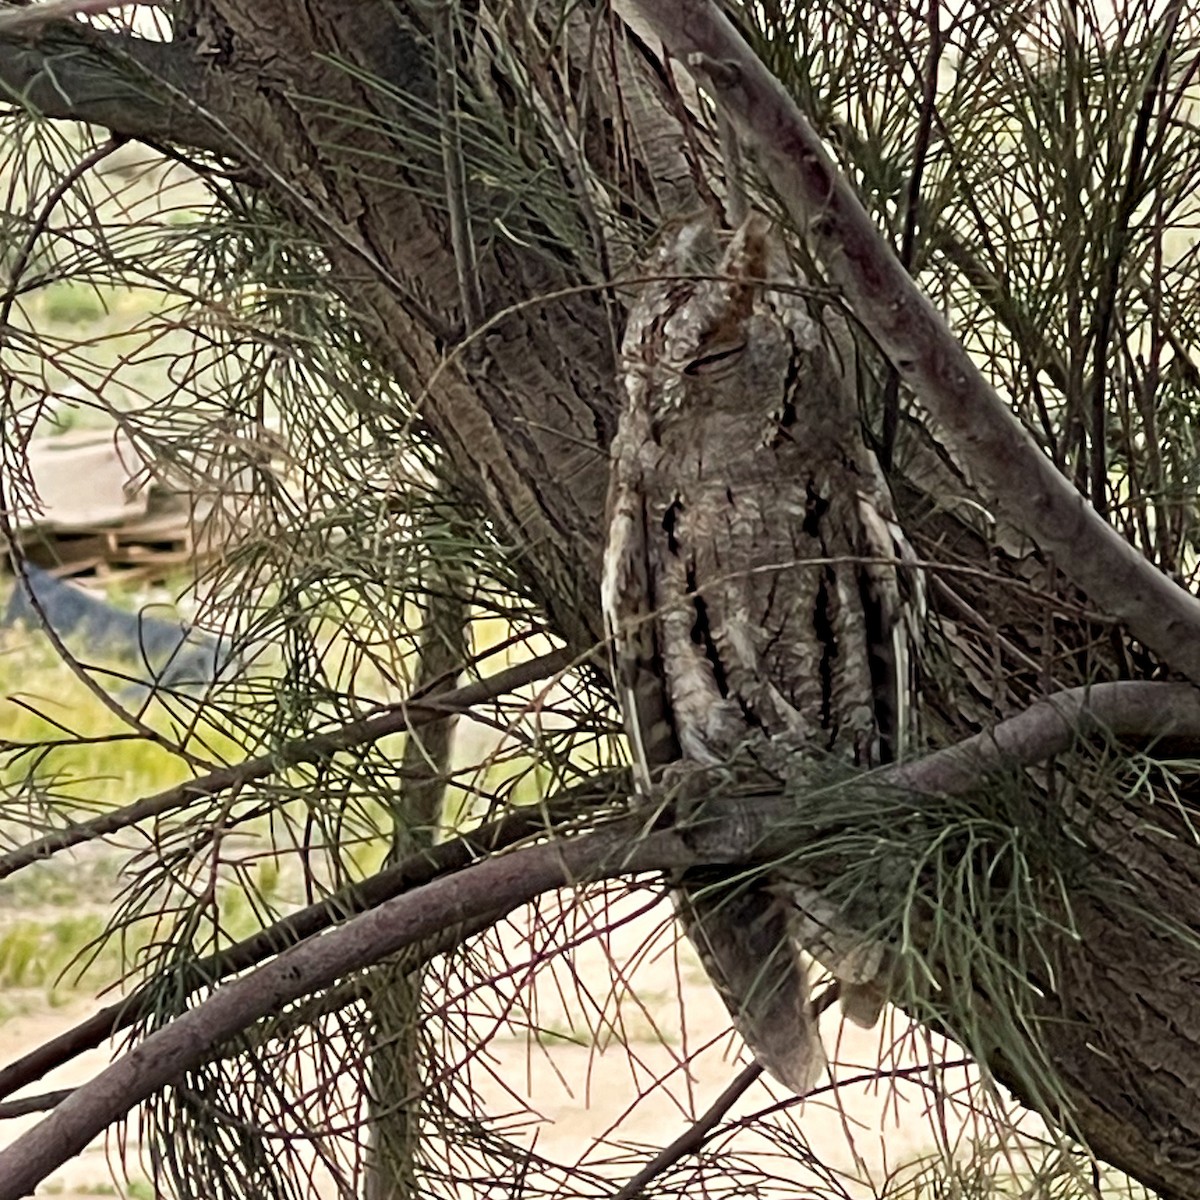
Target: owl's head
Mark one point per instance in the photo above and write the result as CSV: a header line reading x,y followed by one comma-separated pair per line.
x,y
717,328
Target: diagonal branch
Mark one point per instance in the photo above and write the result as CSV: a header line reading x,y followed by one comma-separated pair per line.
x,y
411,872
692,1140
746,831
76,73
496,886
410,714
1131,710
1023,485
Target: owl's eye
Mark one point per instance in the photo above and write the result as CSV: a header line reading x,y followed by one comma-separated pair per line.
x,y
708,364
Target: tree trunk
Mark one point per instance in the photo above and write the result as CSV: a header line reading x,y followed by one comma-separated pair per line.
x,y
526,405
395,1010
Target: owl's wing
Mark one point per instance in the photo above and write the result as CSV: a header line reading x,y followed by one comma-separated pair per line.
x,y
893,598
628,600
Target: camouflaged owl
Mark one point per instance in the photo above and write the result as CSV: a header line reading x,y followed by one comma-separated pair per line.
x,y
752,593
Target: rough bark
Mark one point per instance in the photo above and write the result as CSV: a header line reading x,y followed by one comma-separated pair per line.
x,y
526,413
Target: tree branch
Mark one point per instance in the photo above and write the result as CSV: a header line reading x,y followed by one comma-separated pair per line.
x,y
747,830
413,871
693,1138
408,715
496,886
1023,485
1129,710
31,1104
76,73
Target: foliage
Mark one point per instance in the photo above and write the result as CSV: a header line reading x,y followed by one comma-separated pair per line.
x,y
1037,176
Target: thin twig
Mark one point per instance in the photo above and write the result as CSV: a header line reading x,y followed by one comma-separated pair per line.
x,y
31,1104
692,1140
405,715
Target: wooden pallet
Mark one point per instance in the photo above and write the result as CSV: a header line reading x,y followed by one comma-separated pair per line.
x,y
94,523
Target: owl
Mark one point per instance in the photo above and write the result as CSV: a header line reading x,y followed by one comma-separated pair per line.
x,y
752,594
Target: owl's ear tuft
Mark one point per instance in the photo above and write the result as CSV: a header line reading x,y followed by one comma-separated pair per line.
x,y
752,250
754,254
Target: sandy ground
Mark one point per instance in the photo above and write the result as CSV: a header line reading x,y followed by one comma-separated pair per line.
x,y
35,1022
649,1063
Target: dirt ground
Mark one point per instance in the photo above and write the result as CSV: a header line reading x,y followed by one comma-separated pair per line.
x,y
625,1089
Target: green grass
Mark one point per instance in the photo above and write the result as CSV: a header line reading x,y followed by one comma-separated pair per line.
x,y
46,954
65,756
134,1189
68,303
53,914
44,708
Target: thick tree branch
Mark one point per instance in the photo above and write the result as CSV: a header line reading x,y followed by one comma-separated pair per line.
x,y
1131,710
108,79
745,831
1014,476
407,715
496,886
413,871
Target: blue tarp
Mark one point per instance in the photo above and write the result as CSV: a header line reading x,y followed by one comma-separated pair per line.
x,y
160,652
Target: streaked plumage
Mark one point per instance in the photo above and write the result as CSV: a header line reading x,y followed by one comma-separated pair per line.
x,y
750,590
